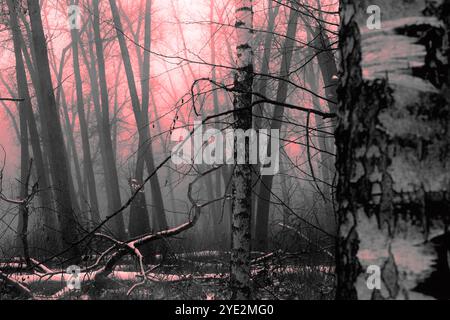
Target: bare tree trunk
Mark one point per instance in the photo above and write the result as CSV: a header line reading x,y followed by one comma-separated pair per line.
x,y
144,74
50,225
58,157
217,230
112,184
242,175
30,59
145,92
24,150
71,148
326,160
392,159
328,67
87,163
115,124
261,87
139,222
262,218
141,116
139,218
49,222
166,151
22,134
93,77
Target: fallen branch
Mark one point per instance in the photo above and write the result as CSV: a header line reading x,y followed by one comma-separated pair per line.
x,y
12,99
306,238
17,285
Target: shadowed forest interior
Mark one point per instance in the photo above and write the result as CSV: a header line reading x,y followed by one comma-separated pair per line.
x,y
101,100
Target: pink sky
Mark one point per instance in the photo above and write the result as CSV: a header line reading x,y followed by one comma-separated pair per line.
x,y
166,40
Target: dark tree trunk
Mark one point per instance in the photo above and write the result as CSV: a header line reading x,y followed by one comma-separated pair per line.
x,y
87,163
112,182
58,159
261,85
265,190
24,149
71,148
142,120
324,141
242,174
50,225
139,218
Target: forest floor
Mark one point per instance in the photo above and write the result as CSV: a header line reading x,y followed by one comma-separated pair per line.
x,y
203,278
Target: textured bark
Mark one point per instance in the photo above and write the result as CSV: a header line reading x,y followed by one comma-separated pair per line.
x,y
265,190
112,182
87,159
58,159
242,174
393,158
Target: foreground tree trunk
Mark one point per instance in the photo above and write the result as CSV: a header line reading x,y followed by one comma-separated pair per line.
x,y
242,174
58,159
393,158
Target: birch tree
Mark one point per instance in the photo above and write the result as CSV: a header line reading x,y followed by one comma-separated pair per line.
x,y
392,156
242,173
